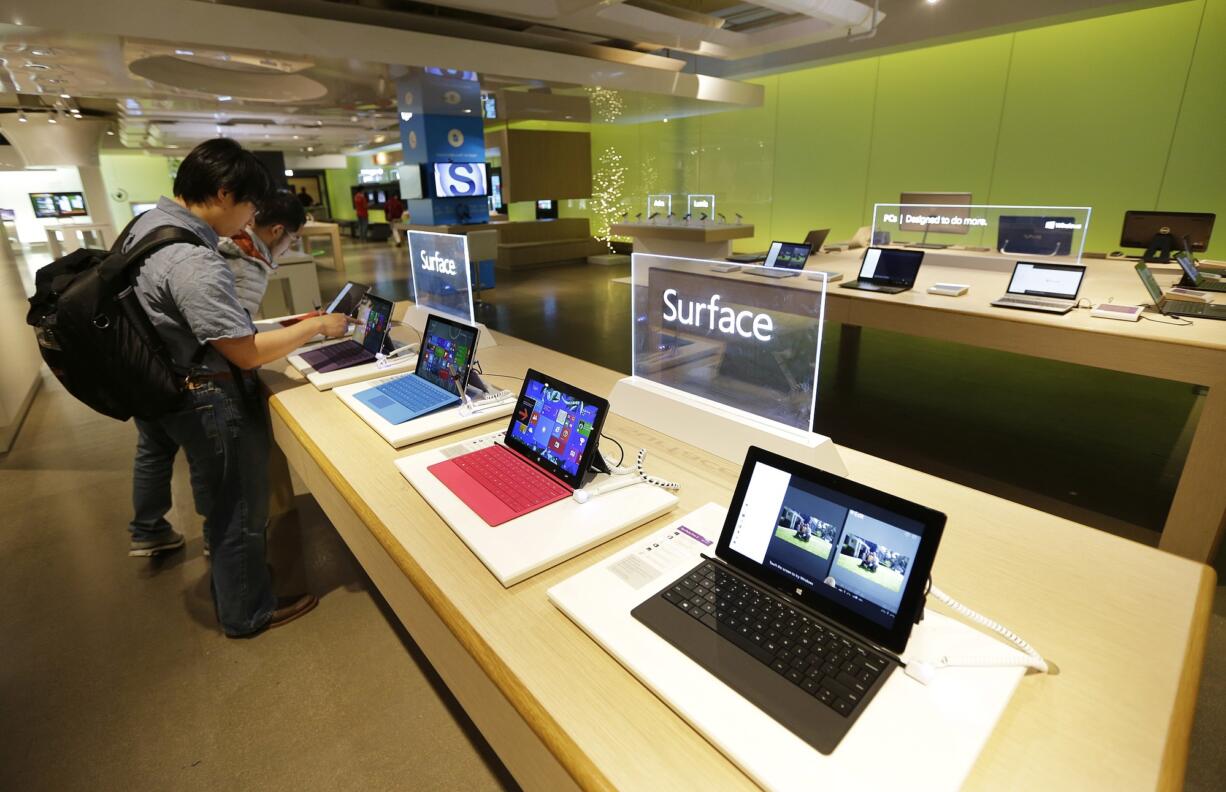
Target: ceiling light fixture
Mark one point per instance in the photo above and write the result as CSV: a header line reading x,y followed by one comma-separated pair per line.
x,y
21,116
51,119
289,171
65,96
932,2
42,53
224,98
110,131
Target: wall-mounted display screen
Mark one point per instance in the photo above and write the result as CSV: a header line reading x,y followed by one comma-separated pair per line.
x,y
60,204
459,179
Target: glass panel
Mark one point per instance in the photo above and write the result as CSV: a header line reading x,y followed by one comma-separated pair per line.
x,y
441,276
1047,232
738,337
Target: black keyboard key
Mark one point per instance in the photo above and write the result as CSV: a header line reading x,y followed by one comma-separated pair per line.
x,y
851,683
709,620
811,685
842,706
781,666
673,597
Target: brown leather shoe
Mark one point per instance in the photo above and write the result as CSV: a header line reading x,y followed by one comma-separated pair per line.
x,y
290,608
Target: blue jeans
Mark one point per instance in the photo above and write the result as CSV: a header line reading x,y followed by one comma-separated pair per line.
x,y
225,437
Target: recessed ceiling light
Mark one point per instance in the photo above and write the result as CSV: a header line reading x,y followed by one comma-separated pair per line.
x,y
296,137
65,96
353,119
110,132
224,98
289,172
184,52
310,148
22,117
51,120
932,2
37,66
42,53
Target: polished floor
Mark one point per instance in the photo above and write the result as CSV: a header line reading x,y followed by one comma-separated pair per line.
x,y
113,674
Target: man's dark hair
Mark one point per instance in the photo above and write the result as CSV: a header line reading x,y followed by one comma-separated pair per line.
x,y
221,164
281,207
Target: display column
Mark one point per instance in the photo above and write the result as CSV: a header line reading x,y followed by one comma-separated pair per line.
x,y
443,139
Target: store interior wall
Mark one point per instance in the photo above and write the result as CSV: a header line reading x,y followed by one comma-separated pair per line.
x,y
1118,112
141,176
15,189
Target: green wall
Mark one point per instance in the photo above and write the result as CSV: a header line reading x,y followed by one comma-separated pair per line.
x,y
144,177
1118,112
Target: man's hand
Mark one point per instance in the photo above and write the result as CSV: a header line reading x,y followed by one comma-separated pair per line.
x,y
333,325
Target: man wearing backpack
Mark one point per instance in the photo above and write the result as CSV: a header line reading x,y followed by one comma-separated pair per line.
x,y
188,291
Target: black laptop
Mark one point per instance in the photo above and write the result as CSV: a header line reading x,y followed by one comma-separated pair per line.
x,y
1193,278
888,270
1169,306
811,597
369,337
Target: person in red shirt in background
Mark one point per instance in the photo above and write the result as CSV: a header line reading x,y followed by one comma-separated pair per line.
x,y
394,209
360,207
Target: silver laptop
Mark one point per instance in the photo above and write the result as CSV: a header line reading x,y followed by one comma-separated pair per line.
x,y
1051,288
784,260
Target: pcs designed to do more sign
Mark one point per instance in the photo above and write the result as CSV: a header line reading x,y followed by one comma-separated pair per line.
x,y
933,220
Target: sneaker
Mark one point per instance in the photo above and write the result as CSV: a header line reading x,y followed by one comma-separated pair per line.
x,y
173,540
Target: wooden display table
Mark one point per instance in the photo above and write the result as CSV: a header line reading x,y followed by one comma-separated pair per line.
x,y
76,235
700,240
1194,353
1124,623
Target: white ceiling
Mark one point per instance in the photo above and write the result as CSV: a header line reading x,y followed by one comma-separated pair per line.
x,y
316,76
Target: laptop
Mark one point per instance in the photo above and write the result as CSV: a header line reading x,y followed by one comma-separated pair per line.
x,y
1051,288
1193,278
810,598
815,239
443,365
784,260
1169,307
545,455
373,323
345,302
888,270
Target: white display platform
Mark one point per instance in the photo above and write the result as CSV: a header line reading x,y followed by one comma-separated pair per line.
x,y
415,317
723,431
427,426
334,379
526,545
919,737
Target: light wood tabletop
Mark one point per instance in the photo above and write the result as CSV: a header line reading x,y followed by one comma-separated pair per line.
x,y
1124,623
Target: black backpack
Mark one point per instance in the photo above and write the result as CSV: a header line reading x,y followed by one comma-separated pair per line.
x,y
96,337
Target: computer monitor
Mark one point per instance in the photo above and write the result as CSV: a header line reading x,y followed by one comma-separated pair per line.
x,y
960,201
787,255
546,210
1158,233
1034,235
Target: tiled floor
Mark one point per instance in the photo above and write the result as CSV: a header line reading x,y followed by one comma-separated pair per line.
x,y
113,675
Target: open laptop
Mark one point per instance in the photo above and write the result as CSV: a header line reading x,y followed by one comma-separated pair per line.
x,y
810,598
888,270
1051,288
545,455
373,323
784,260
346,302
443,365
1169,307
1193,278
816,238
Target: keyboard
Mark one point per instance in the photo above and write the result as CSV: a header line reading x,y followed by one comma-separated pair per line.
x,y
1189,308
1034,304
415,393
335,356
774,273
827,665
514,482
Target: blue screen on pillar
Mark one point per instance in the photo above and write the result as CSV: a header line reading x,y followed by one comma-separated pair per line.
x,y
459,179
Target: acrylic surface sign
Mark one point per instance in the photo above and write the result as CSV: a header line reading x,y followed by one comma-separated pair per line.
x,y
740,341
440,273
